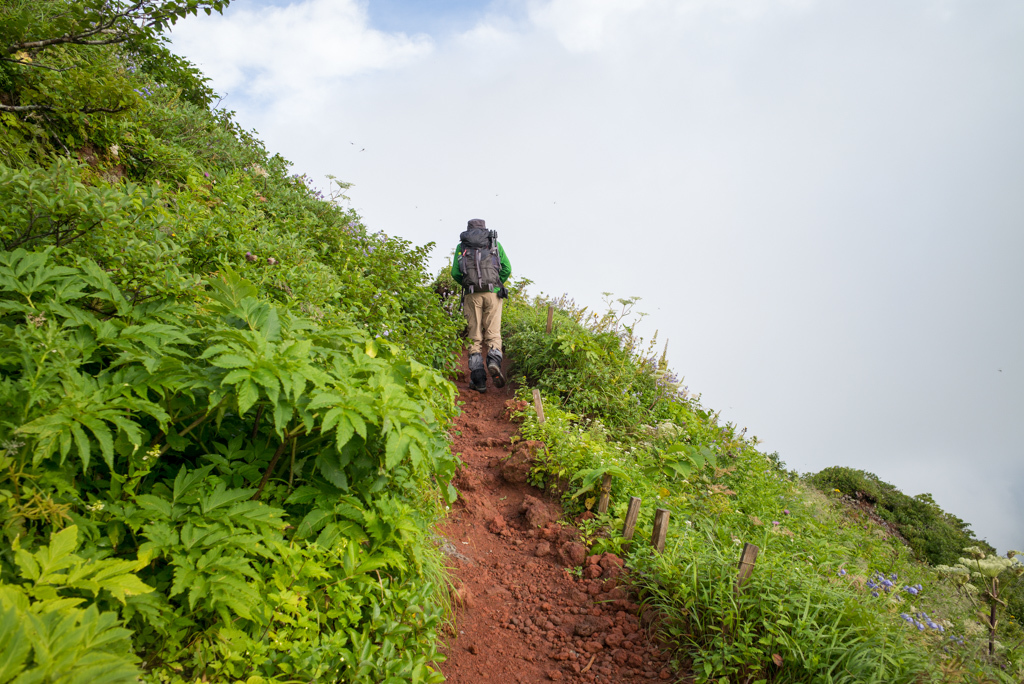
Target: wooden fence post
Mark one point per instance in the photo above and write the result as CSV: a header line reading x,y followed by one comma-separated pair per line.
x,y
538,406
606,492
632,513
660,529
747,559
551,318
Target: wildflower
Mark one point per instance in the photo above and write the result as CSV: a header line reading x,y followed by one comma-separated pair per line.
x,y
842,572
875,594
776,523
785,511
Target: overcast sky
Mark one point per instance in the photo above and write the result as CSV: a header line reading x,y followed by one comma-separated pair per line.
x,y
820,202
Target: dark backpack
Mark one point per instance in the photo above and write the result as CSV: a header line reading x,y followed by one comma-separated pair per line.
x,y
479,262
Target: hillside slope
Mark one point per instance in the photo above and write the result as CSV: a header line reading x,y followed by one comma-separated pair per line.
x,y
226,441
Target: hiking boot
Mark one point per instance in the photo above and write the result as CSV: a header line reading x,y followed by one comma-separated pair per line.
x,y
478,380
494,368
477,375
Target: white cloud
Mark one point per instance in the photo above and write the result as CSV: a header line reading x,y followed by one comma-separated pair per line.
x,y
818,201
278,52
594,25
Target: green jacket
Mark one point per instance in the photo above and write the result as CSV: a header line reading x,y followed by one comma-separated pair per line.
x,y
504,272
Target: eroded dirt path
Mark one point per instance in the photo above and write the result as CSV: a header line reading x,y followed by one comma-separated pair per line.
x,y
524,617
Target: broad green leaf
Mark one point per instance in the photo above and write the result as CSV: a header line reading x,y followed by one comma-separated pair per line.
x,y
314,520
14,645
247,396
396,448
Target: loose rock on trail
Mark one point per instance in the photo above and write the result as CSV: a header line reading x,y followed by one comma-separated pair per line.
x,y
522,616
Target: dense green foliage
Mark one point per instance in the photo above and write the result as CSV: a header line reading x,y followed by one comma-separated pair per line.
x,y
833,597
935,536
223,435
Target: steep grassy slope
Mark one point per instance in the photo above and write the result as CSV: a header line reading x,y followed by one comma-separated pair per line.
x,y
224,436
835,596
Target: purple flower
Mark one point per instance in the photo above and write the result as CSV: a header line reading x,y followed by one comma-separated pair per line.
x,y
842,572
776,523
875,594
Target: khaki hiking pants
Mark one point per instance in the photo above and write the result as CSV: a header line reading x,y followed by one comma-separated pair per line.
x,y
483,317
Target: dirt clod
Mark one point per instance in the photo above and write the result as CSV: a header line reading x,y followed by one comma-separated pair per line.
x,y
573,553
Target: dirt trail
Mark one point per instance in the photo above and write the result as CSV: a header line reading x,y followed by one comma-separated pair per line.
x,y
524,617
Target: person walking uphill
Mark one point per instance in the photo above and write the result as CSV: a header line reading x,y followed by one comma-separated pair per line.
x,y
481,268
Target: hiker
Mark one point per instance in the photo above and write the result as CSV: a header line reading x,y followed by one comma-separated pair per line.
x,y
481,268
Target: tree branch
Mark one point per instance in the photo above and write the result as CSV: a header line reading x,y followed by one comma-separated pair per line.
x,y
50,108
24,108
36,66
270,469
108,110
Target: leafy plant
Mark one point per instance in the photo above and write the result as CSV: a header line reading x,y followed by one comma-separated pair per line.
x,y
46,636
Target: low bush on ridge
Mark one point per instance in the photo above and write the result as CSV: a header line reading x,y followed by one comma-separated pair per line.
x,y
834,598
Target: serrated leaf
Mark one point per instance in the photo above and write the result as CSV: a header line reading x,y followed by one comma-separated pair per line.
x,y
126,585
247,396
313,521
83,444
302,495
343,431
283,412
396,448
327,463
231,361
63,543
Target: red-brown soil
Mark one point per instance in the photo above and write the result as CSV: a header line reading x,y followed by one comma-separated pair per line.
x,y
523,615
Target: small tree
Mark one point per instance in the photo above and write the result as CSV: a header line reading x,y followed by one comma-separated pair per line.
x,y
987,569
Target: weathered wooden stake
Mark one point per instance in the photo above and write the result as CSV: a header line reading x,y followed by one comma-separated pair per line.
x,y
632,513
660,529
747,559
551,318
538,406
606,493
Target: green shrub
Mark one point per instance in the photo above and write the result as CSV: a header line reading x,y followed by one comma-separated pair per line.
x,y
833,598
266,478
935,536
